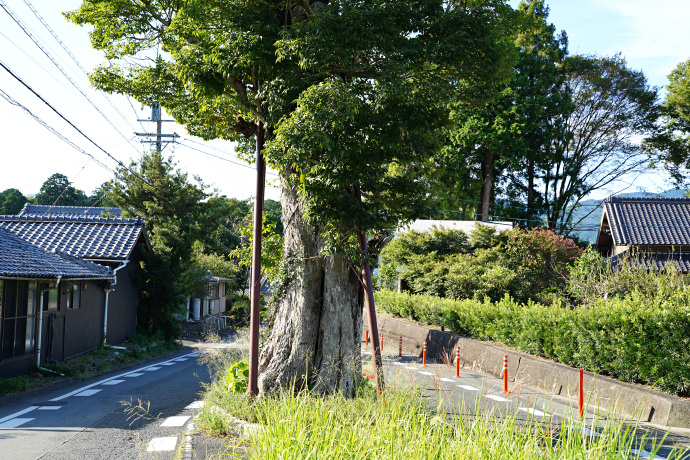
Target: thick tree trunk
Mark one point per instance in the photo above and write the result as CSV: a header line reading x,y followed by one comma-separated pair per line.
x,y
315,340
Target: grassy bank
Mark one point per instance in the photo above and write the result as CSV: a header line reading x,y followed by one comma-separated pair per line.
x,y
303,426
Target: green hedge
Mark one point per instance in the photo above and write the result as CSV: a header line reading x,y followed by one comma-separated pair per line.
x,y
631,338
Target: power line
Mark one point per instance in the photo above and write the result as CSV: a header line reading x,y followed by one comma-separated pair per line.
x,y
9,99
25,29
122,165
221,158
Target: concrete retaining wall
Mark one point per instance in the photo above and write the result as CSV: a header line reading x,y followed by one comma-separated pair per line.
x,y
606,393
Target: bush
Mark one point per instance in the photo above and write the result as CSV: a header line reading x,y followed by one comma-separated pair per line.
x,y
630,338
519,263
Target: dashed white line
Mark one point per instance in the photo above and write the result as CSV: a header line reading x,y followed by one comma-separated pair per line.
x,y
17,414
49,407
88,392
113,382
411,368
195,405
399,364
447,380
134,374
167,364
426,373
162,444
154,368
468,387
646,455
497,398
178,420
15,422
533,411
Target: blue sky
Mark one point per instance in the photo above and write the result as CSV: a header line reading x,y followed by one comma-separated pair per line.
x,y
653,36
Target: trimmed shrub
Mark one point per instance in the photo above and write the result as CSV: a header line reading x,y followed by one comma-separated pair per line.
x,y
629,338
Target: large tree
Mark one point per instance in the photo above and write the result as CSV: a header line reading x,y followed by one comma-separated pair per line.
x,y
57,190
613,110
671,145
11,201
177,213
509,136
344,96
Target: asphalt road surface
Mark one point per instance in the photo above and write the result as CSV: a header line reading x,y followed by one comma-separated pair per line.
x,y
141,412
477,395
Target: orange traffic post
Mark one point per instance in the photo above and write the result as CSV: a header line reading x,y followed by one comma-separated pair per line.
x,y
505,374
367,338
400,348
381,342
424,355
457,362
581,397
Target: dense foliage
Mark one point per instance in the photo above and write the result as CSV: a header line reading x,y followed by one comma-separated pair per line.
x,y
628,338
521,263
11,201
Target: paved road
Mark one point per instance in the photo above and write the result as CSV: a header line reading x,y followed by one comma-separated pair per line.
x,y
480,395
88,420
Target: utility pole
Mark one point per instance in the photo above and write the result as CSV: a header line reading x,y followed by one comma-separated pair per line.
x,y
156,117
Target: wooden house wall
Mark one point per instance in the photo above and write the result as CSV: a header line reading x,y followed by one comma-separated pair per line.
x,y
123,302
83,325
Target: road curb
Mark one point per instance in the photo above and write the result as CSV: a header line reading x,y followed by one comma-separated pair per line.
x,y
523,369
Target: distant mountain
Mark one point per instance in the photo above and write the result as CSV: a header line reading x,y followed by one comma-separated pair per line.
x,y
590,212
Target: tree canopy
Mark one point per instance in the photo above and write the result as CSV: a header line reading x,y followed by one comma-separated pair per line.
x,y
57,190
11,201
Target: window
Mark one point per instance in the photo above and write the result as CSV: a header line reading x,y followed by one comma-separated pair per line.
x,y
213,290
72,294
17,317
48,297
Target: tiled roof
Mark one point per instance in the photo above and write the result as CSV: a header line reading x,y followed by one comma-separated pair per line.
x,y
19,259
653,261
86,236
68,211
649,221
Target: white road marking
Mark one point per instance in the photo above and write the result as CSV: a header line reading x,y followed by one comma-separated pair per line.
x,y
162,444
533,411
17,414
178,420
468,387
154,368
15,422
134,374
399,364
168,364
88,392
126,374
646,455
366,352
195,405
49,407
497,398
179,360
589,432
447,380
113,382
411,368
426,373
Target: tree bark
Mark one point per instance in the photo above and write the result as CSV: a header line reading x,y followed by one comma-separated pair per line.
x,y
487,176
315,341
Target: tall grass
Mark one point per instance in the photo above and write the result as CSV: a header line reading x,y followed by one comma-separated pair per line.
x,y
304,426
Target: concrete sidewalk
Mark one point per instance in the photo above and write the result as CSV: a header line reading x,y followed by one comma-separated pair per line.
x,y
630,400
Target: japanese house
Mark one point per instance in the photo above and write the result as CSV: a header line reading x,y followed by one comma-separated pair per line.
x,y
51,305
648,232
